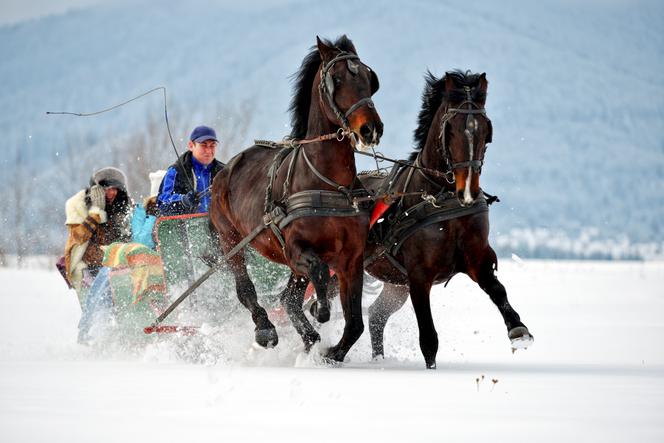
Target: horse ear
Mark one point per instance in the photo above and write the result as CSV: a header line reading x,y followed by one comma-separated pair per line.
x,y
350,45
484,84
375,84
326,52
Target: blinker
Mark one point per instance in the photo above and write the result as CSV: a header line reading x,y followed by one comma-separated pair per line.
x,y
352,67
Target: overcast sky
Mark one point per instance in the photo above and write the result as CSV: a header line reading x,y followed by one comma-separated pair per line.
x,y
14,11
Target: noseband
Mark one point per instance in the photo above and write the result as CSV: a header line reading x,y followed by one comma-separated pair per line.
x,y
326,88
469,132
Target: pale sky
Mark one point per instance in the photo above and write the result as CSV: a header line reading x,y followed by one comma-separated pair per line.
x,y
14,11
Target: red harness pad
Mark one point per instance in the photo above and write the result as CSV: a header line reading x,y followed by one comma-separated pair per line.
x,y
378,211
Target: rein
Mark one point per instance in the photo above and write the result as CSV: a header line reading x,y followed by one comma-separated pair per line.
x,y
379,156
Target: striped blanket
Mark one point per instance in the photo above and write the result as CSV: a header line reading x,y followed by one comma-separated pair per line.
x,y
144,265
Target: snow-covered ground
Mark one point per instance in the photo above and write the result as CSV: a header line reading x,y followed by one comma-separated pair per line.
x,y
595,373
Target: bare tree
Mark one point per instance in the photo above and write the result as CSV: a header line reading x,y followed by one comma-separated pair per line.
x,y
136,153
18,190
233,126
150,149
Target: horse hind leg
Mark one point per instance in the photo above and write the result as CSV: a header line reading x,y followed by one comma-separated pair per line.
x,y
519,335
350,291
389,301
227,237
291,299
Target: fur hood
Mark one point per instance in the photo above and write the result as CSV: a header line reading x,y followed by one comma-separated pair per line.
x,y
76,209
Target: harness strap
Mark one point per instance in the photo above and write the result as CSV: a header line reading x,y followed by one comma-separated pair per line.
x,y
332,183
467,111
411,220
407,182
272,173
442,214
318,212
396,263
289,173
365,101
272,219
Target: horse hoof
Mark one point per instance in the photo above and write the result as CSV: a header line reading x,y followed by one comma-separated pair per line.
x,y
267,338
309,341
520,338
431,365
323,314
334,354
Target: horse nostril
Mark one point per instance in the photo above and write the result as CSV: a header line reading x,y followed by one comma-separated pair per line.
x,y
366,130
379,129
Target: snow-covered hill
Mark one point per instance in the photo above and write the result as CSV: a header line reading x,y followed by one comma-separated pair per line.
x,y
576,93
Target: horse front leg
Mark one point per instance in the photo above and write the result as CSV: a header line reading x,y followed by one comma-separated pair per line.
x,y
350,291
305,262
291,299
265,332
519,335
420,291
390,300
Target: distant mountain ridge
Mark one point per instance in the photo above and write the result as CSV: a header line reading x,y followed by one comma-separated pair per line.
x,y
576,94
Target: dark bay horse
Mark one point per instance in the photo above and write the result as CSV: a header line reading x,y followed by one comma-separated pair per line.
x,y
442,229
302,194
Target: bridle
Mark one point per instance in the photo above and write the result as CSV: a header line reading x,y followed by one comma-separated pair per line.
x,y
326,89
469,132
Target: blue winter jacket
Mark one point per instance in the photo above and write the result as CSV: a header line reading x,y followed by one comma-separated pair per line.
x,y
176,184
142,226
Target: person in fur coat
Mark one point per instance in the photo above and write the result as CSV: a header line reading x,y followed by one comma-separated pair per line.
x,y
96,216
98,313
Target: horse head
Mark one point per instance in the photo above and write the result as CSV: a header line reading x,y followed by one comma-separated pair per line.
x,y
464,131
345,87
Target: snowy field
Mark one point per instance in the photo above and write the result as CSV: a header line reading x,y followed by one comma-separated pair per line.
x,y
595,373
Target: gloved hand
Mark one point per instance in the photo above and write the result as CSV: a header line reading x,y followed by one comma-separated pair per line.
x,y
98,196
190,201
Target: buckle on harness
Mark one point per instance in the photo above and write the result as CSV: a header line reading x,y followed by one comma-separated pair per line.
x,y
275,216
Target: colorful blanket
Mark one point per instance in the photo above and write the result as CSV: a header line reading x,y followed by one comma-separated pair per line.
x,y
145,267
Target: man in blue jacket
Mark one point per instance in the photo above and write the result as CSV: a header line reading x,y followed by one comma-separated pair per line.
x,y
185,188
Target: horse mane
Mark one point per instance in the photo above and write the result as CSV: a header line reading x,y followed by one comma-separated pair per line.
x,y
434,95
304,80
